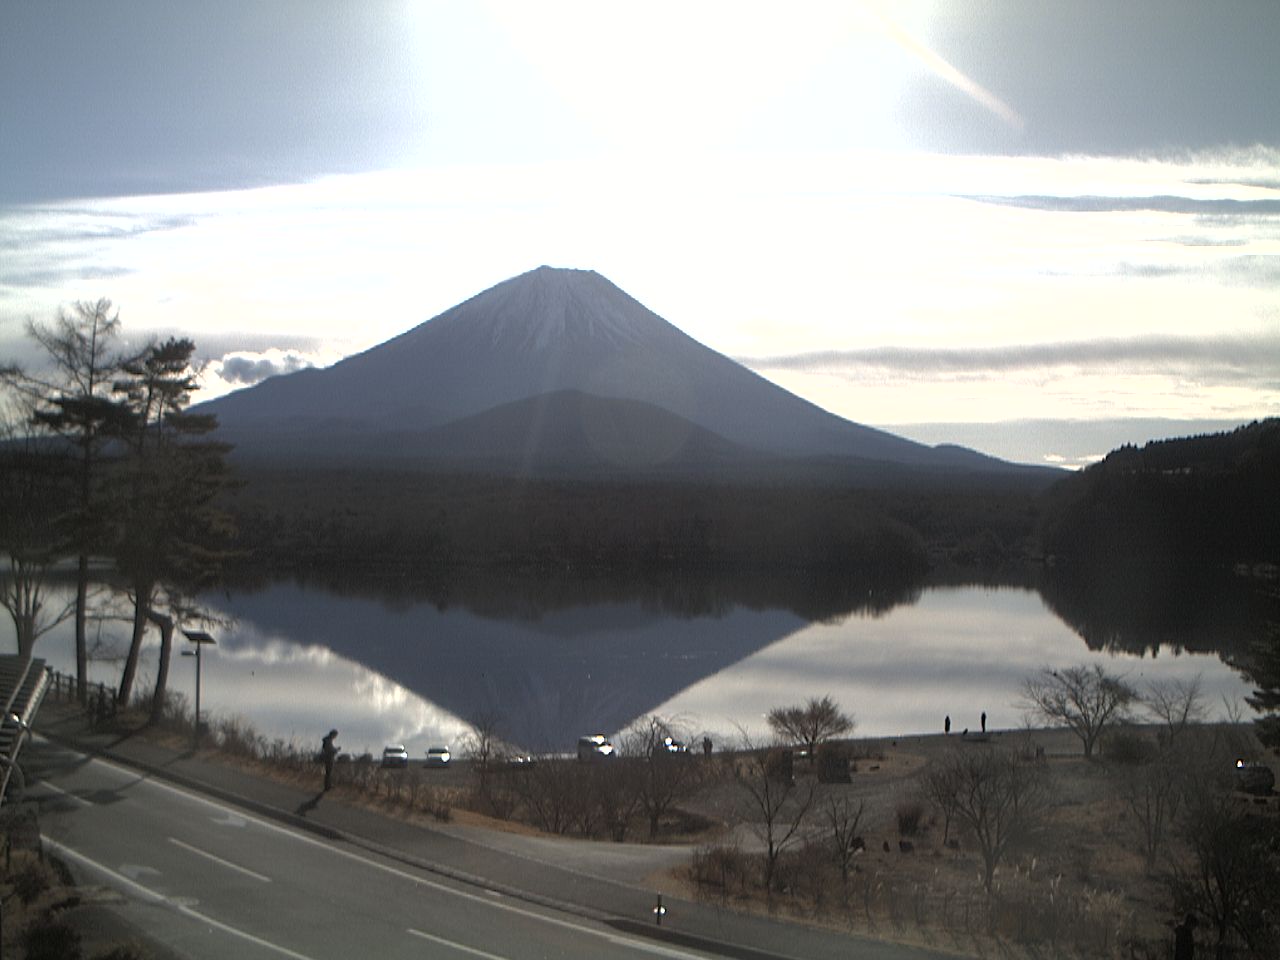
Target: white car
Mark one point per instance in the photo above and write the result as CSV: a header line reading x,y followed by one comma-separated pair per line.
x,y
438,757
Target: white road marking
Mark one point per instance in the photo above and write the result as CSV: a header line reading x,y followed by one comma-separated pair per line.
x,y
218,860
70,796
616,939
136,871
150,896
456,946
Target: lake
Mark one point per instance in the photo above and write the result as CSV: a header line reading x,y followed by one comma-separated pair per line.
x,y
295,660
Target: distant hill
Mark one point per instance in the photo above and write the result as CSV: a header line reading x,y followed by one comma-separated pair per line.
x,y
1206,498
553,371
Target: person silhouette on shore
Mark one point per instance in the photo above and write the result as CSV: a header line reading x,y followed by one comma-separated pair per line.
x,y
946,725
984,721
1184,944
328,753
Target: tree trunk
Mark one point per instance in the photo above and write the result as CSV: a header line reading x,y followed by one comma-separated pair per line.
x,y
162,668
82,646
141,610
24,627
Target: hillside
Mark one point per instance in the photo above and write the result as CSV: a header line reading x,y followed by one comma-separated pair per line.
x,y
1207,498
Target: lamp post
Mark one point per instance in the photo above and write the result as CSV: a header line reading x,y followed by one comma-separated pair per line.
x,y
199,638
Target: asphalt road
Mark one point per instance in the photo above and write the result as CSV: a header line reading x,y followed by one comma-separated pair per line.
x,y
211,881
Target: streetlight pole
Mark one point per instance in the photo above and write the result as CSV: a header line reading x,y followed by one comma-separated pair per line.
x,y
199,638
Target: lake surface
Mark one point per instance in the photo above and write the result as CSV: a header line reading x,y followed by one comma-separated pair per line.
x,y
297,660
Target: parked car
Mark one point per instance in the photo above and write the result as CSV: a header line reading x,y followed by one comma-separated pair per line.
x,y
395,756
595,747
1254,777
438,757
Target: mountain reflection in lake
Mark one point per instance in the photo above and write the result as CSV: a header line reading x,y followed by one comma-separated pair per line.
x,y
299,660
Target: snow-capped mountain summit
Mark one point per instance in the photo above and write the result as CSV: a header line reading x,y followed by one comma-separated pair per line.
x,y
550,331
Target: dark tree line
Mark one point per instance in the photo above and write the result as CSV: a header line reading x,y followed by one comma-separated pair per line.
x,y
306,520
125,473
1209,498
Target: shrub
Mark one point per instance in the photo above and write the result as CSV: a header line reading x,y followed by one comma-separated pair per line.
x,y
51,940
722,866
833,764
909,817
1128,747
123,952
32,880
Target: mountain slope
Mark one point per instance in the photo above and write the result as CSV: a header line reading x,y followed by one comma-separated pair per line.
x,y
545,332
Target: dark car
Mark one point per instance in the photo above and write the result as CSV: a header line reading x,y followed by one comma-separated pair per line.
x,y
395,756
596,747
1254,777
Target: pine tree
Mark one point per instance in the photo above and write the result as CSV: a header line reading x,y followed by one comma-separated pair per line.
x,y
1263,668
170,529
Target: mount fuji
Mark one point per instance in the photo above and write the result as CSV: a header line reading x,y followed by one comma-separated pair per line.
x,y
554,370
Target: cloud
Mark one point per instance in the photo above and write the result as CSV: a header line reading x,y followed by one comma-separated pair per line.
x,y
1200,241
1250,270
1260,183
55,224
55,276
50,247
1160,204
243,369
1224,358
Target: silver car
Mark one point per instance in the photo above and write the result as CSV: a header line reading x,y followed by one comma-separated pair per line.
x,y
438,757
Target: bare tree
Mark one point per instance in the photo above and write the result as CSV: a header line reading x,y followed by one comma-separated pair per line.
x,y
552,792
1000,797
939,788
817,721
483,748
665,773
843,819
1233,873
33,503
1084,699
614,791
1178,704
74,401
1153,793
780,805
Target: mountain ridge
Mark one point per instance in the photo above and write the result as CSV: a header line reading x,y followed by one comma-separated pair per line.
x,y
552,332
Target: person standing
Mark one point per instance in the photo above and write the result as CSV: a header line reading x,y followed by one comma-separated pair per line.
x,y
984,721
946,725
328,753
1184,944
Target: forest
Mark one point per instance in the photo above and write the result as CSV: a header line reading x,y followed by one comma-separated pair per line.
x,y
1208,499
306,520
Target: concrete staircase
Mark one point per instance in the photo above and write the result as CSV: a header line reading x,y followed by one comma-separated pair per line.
x,y
23,682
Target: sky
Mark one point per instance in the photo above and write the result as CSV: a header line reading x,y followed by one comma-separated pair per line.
x,y
1041,230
